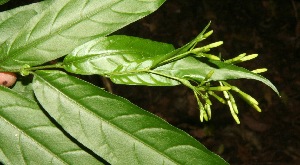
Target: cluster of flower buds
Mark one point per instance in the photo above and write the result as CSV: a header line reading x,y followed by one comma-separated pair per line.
x,y
203,90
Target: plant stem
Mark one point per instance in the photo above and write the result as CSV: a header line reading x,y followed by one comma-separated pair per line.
x,y
54,66
177,57
28,68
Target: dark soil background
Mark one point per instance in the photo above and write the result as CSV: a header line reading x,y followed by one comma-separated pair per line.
x,y
270,28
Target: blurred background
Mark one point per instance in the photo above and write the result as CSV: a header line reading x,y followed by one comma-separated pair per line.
x,y
270,28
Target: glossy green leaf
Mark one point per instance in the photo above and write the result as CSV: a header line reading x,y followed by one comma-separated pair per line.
x,y
143,78
118,55
115,55
114,128
194,69
66,24
27,136
24,88
12,21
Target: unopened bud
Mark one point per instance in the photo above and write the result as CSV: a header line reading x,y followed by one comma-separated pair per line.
x,y
207,34
260,70
249,57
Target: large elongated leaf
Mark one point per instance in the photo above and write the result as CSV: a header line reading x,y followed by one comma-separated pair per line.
x,y
13,20
66,24
27,136
117,55
194,69
114,128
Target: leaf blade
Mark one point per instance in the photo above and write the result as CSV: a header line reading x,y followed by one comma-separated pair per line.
x,y
130,60
191,68
28,136
66,24
114,55
113,127
196,69
21,15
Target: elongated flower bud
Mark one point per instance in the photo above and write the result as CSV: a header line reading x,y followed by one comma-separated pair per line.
x,y
260,70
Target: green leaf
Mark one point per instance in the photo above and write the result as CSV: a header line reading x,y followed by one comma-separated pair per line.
x,y
24,88
114,128
13,20
143,78
66,24
195,69
129,60
115,55
27,136
3,1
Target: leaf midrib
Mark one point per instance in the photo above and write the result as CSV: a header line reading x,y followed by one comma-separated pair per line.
x,y
107,121
25,47
90,57
24,133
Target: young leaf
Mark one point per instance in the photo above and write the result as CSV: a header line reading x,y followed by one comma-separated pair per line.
x,y
114,128
194,69
143,78
115,55
65,24
130,60
181,52
27,136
